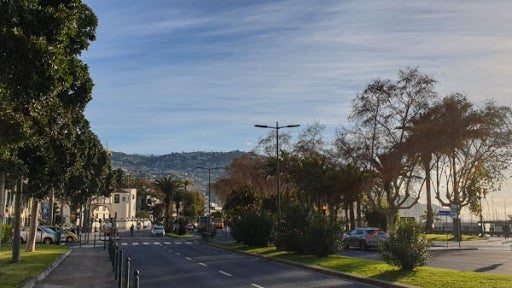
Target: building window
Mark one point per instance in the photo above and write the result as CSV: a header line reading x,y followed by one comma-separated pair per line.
x,y
116,198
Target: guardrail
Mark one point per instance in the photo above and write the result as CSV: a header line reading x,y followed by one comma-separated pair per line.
x,y
121,267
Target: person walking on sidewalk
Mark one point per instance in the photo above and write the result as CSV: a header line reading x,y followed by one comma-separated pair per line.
x,y
131,230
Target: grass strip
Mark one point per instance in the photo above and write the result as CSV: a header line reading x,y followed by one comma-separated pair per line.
x,y
426,277
30,265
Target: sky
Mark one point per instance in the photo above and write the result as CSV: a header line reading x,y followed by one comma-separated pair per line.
x,y
197,75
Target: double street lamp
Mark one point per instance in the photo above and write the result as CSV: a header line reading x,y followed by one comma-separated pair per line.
x,y
277,127
209,168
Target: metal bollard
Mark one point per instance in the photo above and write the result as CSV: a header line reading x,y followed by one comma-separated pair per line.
x,y
115,250
94,241
120,269
136,274
116,256
127,273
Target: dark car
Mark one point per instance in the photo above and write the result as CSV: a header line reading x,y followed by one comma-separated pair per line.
x,y
364,238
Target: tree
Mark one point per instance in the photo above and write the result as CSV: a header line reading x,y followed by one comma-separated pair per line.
x,y
169,186
474,150
376,142
40,74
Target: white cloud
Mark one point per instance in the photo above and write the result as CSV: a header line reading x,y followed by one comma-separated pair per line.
x,y
183,75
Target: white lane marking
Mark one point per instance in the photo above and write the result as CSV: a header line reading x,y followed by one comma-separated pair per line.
x,y
167,243
225,273
188,258
188,243
178,242
124,244
145,243
256,285
178,253
135,243
202,264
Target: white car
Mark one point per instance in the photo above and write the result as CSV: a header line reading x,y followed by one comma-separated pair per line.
x,y
157,231
43,234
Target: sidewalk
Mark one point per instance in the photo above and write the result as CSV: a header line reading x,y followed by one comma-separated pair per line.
x,y
84,267
490,243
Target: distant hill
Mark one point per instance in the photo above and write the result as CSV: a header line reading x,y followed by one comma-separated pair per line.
x,y
183,165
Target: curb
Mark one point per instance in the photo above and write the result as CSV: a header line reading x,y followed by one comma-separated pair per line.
x,y
371,281
31,282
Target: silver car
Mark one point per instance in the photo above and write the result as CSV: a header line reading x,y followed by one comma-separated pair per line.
x,y
364,238
157,231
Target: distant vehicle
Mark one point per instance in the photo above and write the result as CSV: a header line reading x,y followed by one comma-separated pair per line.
x,y
65,233
157,231
218,223
364,238
43,235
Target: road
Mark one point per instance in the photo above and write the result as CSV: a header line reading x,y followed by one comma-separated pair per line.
x,y
481,260
168,262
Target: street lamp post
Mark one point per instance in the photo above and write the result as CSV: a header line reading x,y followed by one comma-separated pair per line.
x,y
277,127
209,168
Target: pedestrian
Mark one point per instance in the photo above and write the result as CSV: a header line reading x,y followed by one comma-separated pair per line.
x,y
131,230
506,230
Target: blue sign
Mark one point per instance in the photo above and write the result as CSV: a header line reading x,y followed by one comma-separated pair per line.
x,y
444,213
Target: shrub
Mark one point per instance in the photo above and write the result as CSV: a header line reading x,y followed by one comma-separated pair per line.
x,y
320,238
182,226
6,233
407,247
289,233
253,229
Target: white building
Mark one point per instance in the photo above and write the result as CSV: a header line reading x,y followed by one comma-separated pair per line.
x,y
121,206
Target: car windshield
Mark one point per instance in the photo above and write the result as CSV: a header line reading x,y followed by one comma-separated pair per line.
x,y
158,228
371,231
47,230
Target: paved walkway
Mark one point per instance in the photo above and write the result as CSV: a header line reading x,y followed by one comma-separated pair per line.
x,y
84,267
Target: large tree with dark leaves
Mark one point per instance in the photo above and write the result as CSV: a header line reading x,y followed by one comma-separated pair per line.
x,y
44,86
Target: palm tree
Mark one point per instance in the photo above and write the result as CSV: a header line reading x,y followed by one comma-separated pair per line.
x,y
170,187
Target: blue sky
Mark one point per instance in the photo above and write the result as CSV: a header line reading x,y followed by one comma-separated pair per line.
x,y
182,76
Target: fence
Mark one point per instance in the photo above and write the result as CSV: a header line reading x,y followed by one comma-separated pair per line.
x,y
121,267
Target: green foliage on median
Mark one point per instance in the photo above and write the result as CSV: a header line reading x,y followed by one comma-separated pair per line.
x,y
31,264
426,277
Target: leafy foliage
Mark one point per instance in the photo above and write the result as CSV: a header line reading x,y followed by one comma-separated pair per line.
x,y
407,246
253,229
321,237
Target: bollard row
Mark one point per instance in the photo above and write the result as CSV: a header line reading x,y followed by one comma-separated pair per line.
x,y
121,267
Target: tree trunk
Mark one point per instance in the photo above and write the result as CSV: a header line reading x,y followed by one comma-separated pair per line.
x,y
31,241
429,225
352,216
51,204
2,204
17,222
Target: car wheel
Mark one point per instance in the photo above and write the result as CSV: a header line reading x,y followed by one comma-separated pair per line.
x,y
69,239
47,241
363,246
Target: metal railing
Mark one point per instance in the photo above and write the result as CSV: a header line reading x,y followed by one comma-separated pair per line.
x,y
121,267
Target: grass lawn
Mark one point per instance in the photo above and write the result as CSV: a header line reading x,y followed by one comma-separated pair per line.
x,y
450,237
30,265
421,277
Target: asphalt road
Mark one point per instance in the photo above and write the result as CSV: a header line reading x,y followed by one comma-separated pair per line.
x,y
167,262
481,260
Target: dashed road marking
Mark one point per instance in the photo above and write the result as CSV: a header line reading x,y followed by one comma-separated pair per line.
x,y
256,285
225,273
202,264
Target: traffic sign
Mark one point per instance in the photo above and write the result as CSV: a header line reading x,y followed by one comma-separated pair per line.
x,y
444,213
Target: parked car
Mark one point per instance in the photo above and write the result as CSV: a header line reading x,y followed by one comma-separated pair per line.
x,y
65,233
43,235
364,238
157,231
